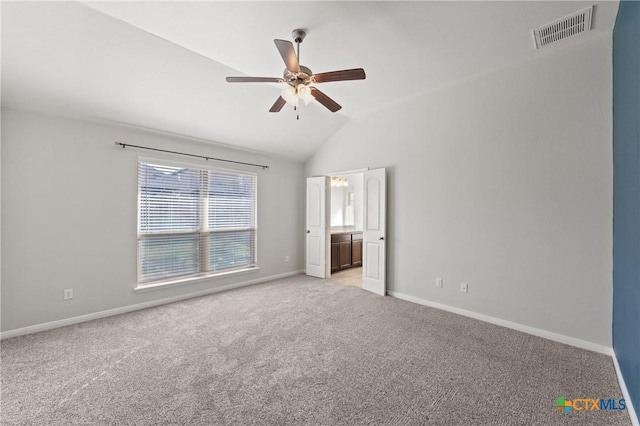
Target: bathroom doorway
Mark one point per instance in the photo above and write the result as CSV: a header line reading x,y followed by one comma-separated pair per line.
x,y
346,219
367,231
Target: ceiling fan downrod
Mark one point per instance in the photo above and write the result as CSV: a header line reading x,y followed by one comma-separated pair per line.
x,y
298,35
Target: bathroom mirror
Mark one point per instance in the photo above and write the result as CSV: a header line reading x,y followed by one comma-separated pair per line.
x,y
346,201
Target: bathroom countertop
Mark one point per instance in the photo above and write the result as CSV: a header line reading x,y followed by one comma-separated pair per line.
x,y
344,229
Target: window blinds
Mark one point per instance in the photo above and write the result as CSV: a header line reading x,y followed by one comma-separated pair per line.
x,y
194,221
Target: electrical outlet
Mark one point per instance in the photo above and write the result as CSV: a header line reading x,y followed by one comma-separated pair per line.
x,y
439,282
464,287
68,294
286,258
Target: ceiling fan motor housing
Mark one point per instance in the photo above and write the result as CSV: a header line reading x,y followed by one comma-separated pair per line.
x,y
293,79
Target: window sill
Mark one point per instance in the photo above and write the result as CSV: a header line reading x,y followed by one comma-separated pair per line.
x,y
190,280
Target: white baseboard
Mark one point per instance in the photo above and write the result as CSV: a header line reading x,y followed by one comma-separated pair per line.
x,y
130,308
625,392
583,344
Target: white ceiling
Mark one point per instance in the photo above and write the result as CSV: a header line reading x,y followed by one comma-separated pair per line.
x,y
161,65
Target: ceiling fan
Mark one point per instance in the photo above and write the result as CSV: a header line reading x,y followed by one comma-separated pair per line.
x,y
300,78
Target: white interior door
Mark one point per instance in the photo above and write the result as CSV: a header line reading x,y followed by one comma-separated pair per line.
x,y
374,231
316,233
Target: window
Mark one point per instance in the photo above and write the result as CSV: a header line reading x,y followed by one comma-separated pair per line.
x,y
194,222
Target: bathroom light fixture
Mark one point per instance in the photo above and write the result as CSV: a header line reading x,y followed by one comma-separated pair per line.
x,y
339,181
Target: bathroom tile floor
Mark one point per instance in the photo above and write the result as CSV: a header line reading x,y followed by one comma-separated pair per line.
x,y
351,276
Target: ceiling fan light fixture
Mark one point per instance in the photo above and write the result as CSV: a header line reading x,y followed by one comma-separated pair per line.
x,y
289,95
304,93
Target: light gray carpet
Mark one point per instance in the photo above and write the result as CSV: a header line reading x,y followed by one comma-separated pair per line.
x,y
292,352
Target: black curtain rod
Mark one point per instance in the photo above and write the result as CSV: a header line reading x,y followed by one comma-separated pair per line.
x,y
124,145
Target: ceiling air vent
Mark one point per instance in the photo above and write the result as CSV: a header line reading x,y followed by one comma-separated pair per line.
x,y
568,26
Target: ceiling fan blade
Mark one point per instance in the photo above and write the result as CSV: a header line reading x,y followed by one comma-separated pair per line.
x,y
254,80
352,74
277,106
325,100
288,54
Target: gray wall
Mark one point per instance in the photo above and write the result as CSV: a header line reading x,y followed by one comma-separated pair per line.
x,y
505,183
69,217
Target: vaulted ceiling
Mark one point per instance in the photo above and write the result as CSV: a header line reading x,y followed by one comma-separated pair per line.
x,y
162,65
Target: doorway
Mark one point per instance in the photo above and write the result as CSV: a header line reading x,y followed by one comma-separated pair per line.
x,y
320,235
345,221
